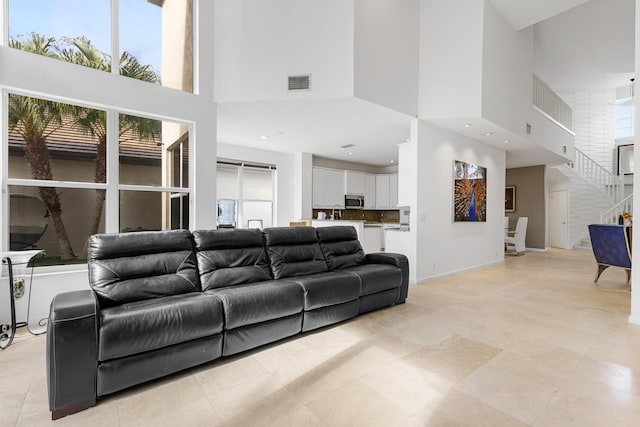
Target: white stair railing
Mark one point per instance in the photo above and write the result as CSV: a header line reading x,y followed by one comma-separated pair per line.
x,y
610,216
599,177
546,100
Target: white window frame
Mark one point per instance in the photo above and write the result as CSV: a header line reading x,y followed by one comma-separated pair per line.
x,y
240,166
112,186
186,108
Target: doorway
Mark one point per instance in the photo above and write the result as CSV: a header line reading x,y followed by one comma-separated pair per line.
x,y
559,219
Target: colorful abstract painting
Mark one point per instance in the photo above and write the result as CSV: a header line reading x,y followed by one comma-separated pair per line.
x,y
469,193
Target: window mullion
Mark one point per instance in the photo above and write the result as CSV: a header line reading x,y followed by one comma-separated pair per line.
x,y
240,218
4,22
4,167
115,36
112,205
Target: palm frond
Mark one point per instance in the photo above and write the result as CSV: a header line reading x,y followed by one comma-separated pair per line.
x,y
35,43
131,67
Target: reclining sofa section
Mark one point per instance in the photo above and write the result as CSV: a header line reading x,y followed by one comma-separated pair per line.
x,y
161,302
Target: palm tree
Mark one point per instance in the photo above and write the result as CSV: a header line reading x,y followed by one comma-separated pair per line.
x,y
34,120
94,122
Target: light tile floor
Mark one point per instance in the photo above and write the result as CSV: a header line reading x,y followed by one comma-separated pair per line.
x,y
531,341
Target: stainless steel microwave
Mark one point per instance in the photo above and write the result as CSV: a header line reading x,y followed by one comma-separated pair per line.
x,y
353,201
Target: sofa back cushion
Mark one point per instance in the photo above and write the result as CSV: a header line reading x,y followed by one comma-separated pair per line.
x,y
132,267
340,246
231,257
294,251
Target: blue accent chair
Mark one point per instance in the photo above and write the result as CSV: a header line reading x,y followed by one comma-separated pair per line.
x,y
612,247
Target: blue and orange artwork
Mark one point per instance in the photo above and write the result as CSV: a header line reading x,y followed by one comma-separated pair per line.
x,y
470,192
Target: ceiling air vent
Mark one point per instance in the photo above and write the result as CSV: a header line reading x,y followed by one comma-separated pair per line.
x,y
301,82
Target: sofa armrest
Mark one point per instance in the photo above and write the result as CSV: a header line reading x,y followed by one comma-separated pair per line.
x,y
72,355
399,260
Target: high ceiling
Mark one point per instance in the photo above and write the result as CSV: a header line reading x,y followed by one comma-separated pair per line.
x,y
524,13
590,47
321,127
579,45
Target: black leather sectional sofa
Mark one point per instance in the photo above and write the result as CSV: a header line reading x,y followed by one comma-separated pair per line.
x,y
161,302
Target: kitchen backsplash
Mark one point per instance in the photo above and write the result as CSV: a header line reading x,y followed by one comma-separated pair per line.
x,y
363,214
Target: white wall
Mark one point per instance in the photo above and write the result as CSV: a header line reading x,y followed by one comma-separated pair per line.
x,y
442,246
288,188
407,170
450,80
177,47
585,205
259,44
473,64
46,285
386,53
352,166
547,134
408,196
303,179
507,71
594,118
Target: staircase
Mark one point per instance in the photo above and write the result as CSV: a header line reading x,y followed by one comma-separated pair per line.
x,y
599,177
596,197
610,216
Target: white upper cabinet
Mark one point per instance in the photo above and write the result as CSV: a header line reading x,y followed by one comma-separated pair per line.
x,y
355,182
369,191
328,188
386,191
382,191
393,190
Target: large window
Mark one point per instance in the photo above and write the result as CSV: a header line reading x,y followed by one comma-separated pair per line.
x,y
625,118
60,175
251,186
154,38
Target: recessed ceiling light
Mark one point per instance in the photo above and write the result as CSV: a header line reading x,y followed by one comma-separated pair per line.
x,y
506,141
467,125
264,137
392,161
407,140
350,153
488,133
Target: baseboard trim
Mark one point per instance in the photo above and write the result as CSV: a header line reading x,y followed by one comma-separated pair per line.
x,y
536,250
634,319
463,270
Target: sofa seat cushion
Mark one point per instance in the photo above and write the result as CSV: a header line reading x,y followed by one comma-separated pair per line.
x,y
152,324
259,302
376,277
325,289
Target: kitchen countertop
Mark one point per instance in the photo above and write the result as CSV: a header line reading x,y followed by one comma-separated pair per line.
x,y
362,221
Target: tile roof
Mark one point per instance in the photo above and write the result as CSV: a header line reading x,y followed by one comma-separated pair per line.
x,y
68,142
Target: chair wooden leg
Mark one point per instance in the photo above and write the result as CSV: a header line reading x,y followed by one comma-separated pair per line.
x,y
628,276
601,268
